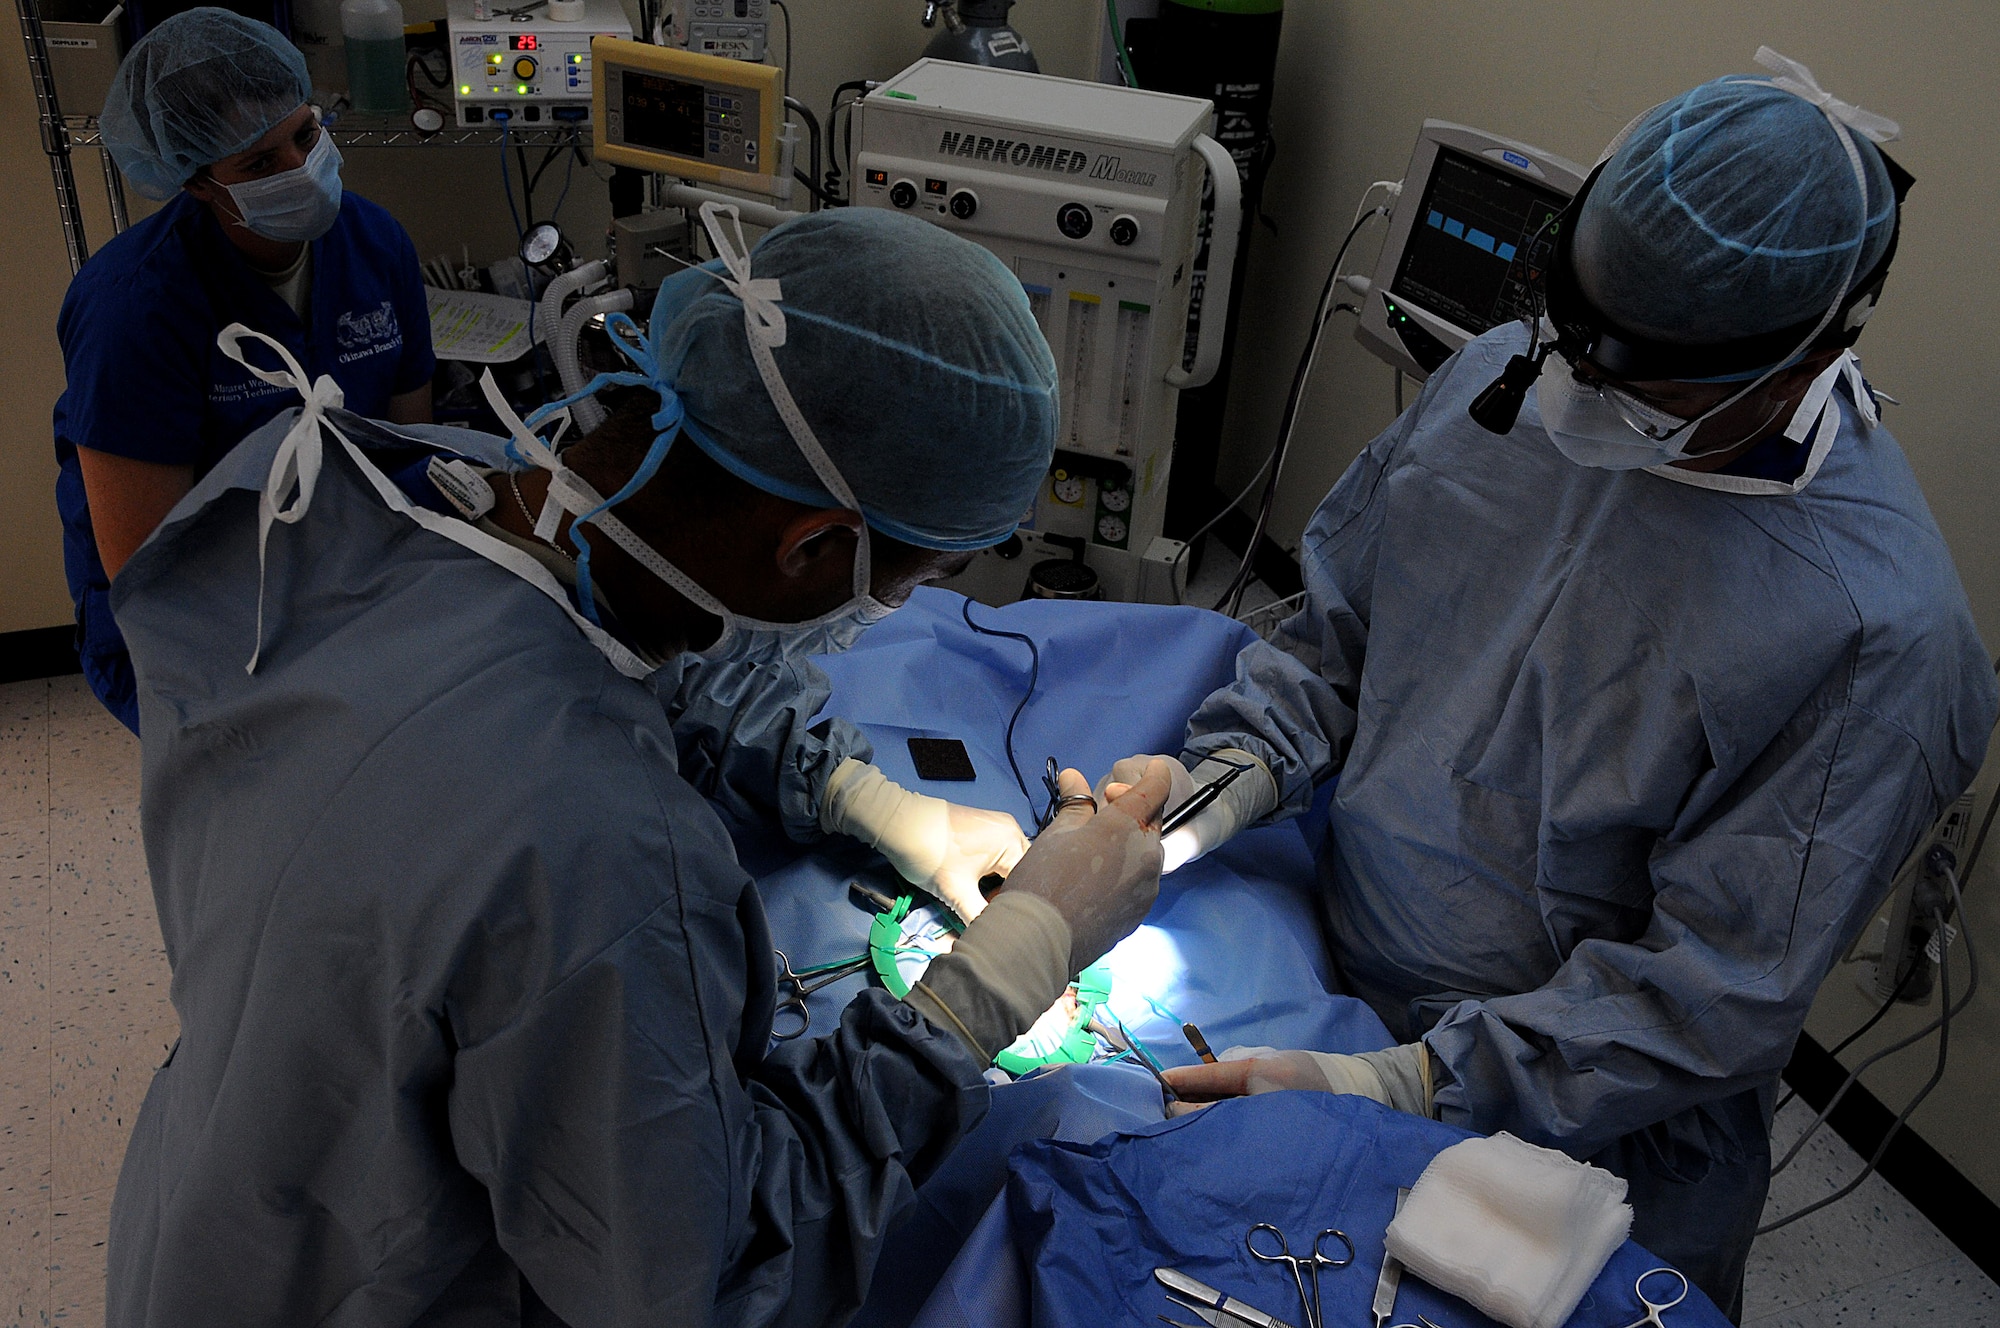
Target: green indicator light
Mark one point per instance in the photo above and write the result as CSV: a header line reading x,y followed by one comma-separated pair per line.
x,y
465,90
522,89
901,96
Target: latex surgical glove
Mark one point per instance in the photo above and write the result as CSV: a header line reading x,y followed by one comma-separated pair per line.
x,y
1085,884
932,843
1099,868
1251,797
1399,1077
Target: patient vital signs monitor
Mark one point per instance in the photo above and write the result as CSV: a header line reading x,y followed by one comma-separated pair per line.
x,y
1475,223
699,117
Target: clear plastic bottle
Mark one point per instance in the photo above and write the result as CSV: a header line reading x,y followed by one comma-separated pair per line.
x,y
316,31
373,33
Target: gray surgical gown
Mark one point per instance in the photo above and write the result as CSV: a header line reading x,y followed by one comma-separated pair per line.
x,y
1624,765
473,994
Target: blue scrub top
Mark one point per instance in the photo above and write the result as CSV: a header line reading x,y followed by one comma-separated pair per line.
x,y
147,381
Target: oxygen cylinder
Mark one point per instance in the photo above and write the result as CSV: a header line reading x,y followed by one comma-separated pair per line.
x,y
976,32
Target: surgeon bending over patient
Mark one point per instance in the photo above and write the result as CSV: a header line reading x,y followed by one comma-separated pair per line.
x,y
1636,708
475,999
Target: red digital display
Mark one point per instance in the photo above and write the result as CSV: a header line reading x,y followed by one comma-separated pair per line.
x,y
525,42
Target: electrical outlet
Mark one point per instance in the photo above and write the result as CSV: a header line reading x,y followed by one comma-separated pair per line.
x,y
1954,827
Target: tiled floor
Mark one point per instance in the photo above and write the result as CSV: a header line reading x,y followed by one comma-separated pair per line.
x,y
84,1019
1870,1258
83,993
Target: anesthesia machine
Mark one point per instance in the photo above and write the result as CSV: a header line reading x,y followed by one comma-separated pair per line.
x,y
1091,195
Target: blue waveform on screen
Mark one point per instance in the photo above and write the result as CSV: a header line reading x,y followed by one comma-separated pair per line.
x,y
1478,239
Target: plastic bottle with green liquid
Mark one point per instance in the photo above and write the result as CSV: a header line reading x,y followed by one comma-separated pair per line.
x,y
373,32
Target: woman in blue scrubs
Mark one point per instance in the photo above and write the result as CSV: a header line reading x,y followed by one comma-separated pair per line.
x,y
209,112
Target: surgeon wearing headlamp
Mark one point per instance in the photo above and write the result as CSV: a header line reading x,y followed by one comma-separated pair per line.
x,y
1640,665
209,113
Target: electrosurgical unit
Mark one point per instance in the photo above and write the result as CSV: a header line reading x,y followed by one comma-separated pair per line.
x,y
523,67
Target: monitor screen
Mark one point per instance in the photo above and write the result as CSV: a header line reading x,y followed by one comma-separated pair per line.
x,y
1479,233
663,114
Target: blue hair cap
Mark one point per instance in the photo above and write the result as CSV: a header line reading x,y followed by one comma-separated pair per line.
x,y
203,85
1730,211
911,352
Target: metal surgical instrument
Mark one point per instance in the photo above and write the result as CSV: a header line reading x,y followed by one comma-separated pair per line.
x,y
804,984
1391,1278
1200,800
1125,1042
1213,1306
1198,1042
1299,1263
1654,1308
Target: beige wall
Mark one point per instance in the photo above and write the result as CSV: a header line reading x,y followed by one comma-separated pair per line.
x,y
1355,78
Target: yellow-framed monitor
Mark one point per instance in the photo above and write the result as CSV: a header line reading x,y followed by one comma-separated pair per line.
x,y
700,117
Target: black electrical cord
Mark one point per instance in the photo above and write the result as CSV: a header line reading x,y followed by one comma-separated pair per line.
x,y
520,239
784,9
825,199
527,188
833,105
1942,1024
1323,311
1034,676
548,156
1867,1026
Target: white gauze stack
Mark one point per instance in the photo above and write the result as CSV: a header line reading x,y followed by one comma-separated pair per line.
x,y
1519,1231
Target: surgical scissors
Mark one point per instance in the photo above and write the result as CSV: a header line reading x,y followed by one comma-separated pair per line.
x,y
804,984
1298,1263
1654,1308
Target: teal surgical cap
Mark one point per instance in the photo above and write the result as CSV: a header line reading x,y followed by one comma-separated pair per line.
x,y
911,353
203,85
1729,212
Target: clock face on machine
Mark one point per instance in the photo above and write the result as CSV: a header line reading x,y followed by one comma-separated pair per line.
x,y
1066,488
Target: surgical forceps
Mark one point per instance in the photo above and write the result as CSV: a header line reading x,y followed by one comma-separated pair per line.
x,y
1298,1263
1654,1308
804,984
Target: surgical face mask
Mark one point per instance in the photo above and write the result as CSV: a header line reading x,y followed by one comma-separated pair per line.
x,y
1608,429
753,641
1588,428
294,206
743,639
